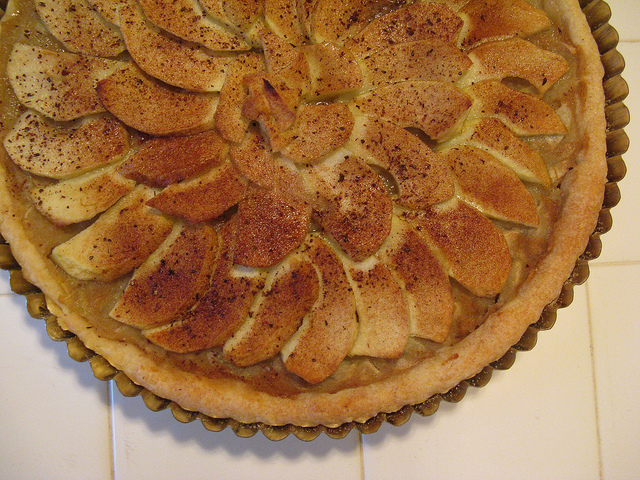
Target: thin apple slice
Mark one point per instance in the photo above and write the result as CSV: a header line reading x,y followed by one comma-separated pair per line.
x,y
80,28
332,69
473,249
422,177
432,59
171,280
60,151
383,314
289,293
162,161
417,21
117,242
517,58
174,61
496,19
59,85
328,331
523,113
244,14
491,187
145,104
281,16
221,310
495,137
254,160
186,19
108,9
318,130
80,198
351,203
427,289
272,223
204,197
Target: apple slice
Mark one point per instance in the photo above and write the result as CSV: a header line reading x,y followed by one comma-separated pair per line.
x,y
117,242
414,22
281,16
332,69
272,223
427,289
318,130
186,19
80,28
108,9
383,314
496,19
174,61
59,85
470,245
162,161
491,187
515,58
289,293
222,308
351,203
60,151
328,331
80,198
149,106
171,280
204,197
431,59
254,160
435,108
523,113
422,177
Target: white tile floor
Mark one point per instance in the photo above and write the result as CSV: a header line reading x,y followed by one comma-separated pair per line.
x,y
562,411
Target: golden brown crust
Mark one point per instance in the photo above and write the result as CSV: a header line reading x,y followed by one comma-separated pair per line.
x,y
226,395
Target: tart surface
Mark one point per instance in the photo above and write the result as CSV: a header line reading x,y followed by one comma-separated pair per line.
x,y
300,213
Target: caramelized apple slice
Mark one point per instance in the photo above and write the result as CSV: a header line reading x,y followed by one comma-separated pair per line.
x,y
171,280
108,9
523,113
427,289
174,61
281,16
80,28
119,241
383,315
351,203
319,129
272,223
220,311
81,198
187,20
228,117
332,70
145,104
334,20
159,162
493,136
516,58
435,108
421,176
414,22
432,59
289,293
53,150
59,85
491,186
328,331
204,197
244,14
474,249
495,19
254,160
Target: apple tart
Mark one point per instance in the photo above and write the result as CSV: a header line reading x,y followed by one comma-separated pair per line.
x,y
299,212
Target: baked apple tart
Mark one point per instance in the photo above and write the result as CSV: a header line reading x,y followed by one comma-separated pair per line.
x,y
299,212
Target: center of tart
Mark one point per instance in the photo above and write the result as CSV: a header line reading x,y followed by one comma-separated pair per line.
x,y
312,193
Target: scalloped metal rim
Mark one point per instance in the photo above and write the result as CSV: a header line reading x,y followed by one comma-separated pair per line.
x,y
598,14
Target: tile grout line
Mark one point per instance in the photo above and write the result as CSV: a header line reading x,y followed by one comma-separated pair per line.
x,y
112,443
594,381
361,448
